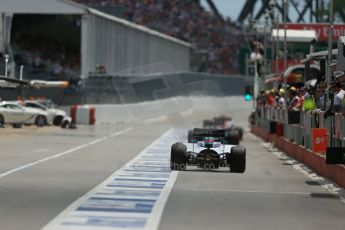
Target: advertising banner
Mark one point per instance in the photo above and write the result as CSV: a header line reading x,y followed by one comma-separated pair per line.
x,y
319,140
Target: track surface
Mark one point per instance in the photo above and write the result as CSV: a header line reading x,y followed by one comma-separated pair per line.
x,y
43,171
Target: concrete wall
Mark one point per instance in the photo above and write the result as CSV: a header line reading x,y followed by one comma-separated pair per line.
x,y
103,89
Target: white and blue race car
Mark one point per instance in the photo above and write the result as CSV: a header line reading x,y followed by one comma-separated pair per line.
x,y
209,150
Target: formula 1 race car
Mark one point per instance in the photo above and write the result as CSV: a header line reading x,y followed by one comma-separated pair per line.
x,y
235,133
209,150
225,122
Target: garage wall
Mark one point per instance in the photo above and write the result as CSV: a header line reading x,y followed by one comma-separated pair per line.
x,y
127,49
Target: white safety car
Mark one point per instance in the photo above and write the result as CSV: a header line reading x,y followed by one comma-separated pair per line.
x,y
55,116
15,114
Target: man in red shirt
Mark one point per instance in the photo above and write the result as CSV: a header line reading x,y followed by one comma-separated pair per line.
x,y
271,101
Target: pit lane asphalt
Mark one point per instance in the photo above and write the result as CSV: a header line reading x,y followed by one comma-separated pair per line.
x,y
270,195
31,197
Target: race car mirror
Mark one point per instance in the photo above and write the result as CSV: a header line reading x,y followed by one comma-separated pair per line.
x,y
194,140
335,155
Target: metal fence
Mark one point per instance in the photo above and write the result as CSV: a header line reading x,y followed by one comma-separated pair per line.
x,y
298,125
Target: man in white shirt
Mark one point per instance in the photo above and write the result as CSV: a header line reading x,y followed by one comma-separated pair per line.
x,y
281,100
338,98
256,57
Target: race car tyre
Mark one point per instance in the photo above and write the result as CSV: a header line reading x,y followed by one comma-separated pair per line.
x,y
240,132
190,136
2,121
57,120
233,137
178,157
237,159
40,121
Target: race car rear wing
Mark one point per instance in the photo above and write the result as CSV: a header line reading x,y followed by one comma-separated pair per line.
x,y
218,133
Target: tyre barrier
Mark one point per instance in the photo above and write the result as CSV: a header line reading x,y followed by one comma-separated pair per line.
x,y
83,114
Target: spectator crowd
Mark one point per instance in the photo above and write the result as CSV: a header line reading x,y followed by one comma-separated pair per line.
x,y
311,97
214,41
41,54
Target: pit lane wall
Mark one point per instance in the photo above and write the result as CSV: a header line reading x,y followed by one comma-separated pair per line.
x,y
117,89
127,89
291,133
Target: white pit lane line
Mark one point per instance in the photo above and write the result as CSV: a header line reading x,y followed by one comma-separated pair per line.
x,y
133,197
9,172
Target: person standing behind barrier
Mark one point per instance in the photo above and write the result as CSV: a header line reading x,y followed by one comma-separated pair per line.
x,y
260,102
266,94
260,99
321,95
339,93
309,99
281,99
294,99
301,92
270,100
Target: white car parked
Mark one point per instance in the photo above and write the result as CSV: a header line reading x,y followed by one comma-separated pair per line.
x,y
55,116
15,114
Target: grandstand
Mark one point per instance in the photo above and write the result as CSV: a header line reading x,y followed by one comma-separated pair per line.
x,y
214,40
60,39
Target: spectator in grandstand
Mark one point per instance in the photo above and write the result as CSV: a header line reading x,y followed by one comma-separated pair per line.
x,y
217,39
57,70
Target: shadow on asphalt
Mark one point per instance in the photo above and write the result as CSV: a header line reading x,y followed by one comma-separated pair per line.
x,y
310,182
324,195
206,170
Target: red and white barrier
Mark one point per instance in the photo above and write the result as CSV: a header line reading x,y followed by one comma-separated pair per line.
x,y
83,114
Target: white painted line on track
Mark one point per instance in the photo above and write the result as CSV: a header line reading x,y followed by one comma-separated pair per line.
x,y
7,173
133,197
